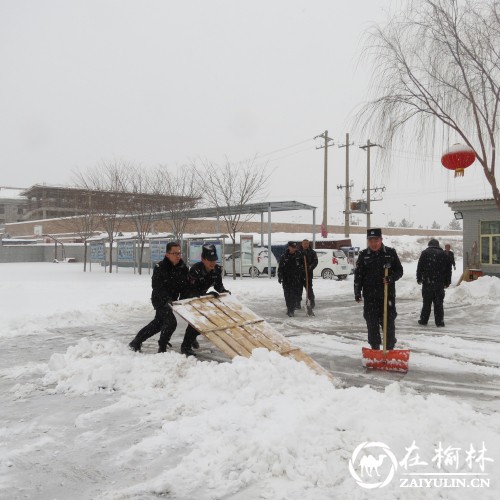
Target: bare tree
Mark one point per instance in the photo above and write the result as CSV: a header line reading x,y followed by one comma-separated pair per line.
x,y
184,191
108,182
229,188
144,199
150,192
438,62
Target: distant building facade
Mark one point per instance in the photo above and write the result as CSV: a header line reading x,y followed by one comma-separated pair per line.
x,y
12,205
481,234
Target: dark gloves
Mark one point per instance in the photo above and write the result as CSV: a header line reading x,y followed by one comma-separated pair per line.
x,y
213,293
419,282
388,280
357,298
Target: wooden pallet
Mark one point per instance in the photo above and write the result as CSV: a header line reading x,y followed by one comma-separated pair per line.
x,y
236,330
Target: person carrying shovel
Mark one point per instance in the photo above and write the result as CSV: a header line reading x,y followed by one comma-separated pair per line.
x,y
310,259
377,266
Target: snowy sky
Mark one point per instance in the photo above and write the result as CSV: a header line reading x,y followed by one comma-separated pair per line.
x,y
161,82
84,417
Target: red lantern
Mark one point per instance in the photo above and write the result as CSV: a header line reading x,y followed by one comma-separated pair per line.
x,y
458,157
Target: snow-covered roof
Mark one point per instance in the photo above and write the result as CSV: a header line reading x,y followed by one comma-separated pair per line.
x,y
472,204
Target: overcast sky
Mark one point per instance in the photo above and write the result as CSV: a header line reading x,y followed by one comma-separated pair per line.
x,y
164,82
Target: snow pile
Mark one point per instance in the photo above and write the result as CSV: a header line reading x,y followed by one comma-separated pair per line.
x,y
483,291
265,424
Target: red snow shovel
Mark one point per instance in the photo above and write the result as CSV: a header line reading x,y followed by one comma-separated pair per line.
x,y
396,361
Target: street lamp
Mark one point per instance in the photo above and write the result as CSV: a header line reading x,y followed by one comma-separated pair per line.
x,y
409,212
387,214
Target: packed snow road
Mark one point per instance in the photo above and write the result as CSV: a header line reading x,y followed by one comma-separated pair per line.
x,y
461,360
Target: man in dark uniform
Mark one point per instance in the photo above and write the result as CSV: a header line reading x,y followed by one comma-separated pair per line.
x,y
311,261
291,275
202,276
169,281
434,274
451,255
369,283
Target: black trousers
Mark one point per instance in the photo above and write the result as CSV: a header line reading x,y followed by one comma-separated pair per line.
x,y
293,294
373,312
189,338
309,288
164,322
433,295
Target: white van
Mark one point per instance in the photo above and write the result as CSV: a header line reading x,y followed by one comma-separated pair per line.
x,y
332,264
255,268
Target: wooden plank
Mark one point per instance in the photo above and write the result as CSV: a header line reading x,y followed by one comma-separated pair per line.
x,y
271,339
257,336
236,330
221,344
235,344
189,312
241,335
212,312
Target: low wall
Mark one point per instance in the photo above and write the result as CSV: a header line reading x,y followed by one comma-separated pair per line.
x,y
39,253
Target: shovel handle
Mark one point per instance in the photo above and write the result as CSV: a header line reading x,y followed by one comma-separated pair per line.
x,y
307,279
386,300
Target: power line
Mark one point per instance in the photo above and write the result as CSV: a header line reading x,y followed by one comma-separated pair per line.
x,y
282,149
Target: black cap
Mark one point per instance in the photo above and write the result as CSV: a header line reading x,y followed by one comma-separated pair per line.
x,y
292,244
433,243
209,252
374,232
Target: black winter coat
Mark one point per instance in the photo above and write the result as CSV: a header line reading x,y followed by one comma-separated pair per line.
x,y
291,268
168,282
369,273
200,280
434,268
311,259
451,257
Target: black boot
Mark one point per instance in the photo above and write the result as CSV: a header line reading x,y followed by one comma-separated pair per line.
x,y
187,351
189,339
164,347
195,344
135,346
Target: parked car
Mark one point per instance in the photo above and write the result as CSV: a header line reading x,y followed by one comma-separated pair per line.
x,y
255,268
352,255
332,264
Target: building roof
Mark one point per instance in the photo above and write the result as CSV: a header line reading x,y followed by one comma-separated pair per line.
x,y
472,203
250,208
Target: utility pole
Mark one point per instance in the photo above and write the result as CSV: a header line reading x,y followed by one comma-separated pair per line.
x,y
324,224
367,148
347,185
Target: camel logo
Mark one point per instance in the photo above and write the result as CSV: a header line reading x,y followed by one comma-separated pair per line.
x,y
374,470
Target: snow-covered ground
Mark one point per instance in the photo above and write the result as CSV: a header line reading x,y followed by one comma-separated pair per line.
x,y
82,417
